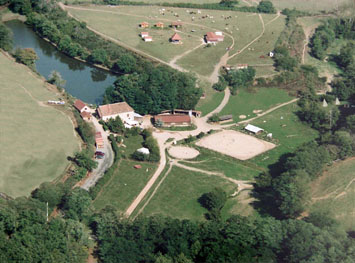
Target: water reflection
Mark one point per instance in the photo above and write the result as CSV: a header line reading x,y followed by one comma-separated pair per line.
x,y
82,80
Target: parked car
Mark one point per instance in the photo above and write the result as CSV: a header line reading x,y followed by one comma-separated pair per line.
x,y
98,153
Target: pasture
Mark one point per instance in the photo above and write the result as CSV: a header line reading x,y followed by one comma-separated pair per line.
x,y
240,29
127,182
36,139
249,103
216,162
334,192
179,192
312,5
287,130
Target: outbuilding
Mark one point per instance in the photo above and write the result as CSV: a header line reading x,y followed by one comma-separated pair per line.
x,y
99,141
144,25
86,116
148,39
81,106
253,129
176,39
144,34
168,120
176,24
211,37
144,150
159,25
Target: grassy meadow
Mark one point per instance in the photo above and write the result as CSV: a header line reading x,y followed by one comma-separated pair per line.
x,y
178,194
245,102
216,162
334,192
121,23
127,182
36,139
287,130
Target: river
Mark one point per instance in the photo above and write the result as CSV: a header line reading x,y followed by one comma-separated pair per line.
x,y
83,81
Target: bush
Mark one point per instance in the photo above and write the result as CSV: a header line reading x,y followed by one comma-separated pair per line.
x,y
5,38
213,118
221,85
266,7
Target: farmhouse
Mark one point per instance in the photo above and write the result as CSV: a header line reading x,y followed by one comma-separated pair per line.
x,y
212,37
99,141
81,106
148,39
173,120
159,25
176,24
253,129
144,25
86,116
144,34
111,111
176,39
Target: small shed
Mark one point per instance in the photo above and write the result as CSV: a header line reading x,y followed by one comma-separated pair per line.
x,y
226,117
253,129
148,39
144,25
81,106
176,39
144,34
159,25
176,24
99,140
144,150
86,116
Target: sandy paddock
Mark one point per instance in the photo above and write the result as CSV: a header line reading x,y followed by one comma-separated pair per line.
x,y
235,144
183,152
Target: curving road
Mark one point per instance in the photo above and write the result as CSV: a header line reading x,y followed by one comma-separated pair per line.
x,y
103,164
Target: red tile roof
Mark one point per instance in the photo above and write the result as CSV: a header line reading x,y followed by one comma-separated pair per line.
x,y
85,114
176,37
79,105
176,23
113,109
173,118
210,36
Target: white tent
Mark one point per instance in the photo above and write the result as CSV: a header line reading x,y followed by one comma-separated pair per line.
x,y
253,129
143,150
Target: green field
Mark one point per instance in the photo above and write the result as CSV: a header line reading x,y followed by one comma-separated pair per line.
x,y
262,46
334,192
211,101
213,161
311,5
244,103
127,182
121,23
287,130
35,138
178,194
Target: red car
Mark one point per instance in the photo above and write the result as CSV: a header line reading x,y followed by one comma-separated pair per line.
x,y
98,153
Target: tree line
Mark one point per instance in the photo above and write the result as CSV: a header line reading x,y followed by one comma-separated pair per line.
x,y
238,239
264,6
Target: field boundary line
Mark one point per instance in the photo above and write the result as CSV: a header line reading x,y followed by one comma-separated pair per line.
x,y
268,111
154,192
